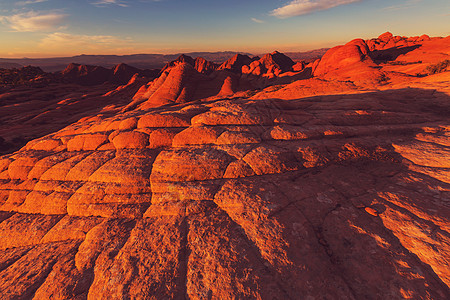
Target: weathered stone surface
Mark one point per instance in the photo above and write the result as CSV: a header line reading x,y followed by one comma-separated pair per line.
x,y
162,120
339,196
190,164
130,139
197,135
86,142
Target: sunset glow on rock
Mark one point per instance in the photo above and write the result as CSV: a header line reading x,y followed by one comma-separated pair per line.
x,y
225,175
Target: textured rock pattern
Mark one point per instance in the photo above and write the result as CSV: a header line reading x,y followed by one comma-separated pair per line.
x,y
243,195
330,197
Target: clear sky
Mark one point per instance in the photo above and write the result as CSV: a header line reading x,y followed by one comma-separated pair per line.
x,y
43,28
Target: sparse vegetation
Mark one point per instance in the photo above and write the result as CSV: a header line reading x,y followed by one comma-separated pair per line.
x,y
403,63
383,79
438,68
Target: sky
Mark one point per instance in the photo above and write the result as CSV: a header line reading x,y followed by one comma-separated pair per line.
x,y
48,28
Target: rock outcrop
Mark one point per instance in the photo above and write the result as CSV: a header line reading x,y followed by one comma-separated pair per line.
x,y
203,66
378,61
175,85
348,62
343,195
236,63
86,75
95,75
186,79
270,65
22,76
200,64
123,73
234,198
386,58
388,40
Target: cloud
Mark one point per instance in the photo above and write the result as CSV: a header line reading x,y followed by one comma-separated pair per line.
x,y
257,20
103,3
303,7
33,21
66,42
406,4
23,3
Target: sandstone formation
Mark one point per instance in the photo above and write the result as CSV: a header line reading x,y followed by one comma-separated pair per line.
x,y
29,112
94,75
377,61
34,103
20,76
186,79
365,64
388,41
349,62
236,63
271,65
123,73
321,188
86,75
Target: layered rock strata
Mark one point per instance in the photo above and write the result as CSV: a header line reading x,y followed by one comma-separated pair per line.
x,y
326,197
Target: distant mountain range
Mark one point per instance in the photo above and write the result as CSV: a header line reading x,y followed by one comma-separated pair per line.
x,y
9,65
141,61
307,55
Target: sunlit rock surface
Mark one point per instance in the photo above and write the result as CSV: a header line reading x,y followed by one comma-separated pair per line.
x,y
269,195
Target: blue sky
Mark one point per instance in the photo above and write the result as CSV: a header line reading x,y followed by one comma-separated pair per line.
x,y
41,28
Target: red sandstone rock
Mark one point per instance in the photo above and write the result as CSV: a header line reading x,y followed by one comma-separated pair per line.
x,y
340,196
278,61
122,73
348,62
386,37
86,142
86,75
236,63
130,139
270,65
298,66
203,66
200,64
371,211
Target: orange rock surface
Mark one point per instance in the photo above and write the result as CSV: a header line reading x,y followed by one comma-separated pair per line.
x,y
323,188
